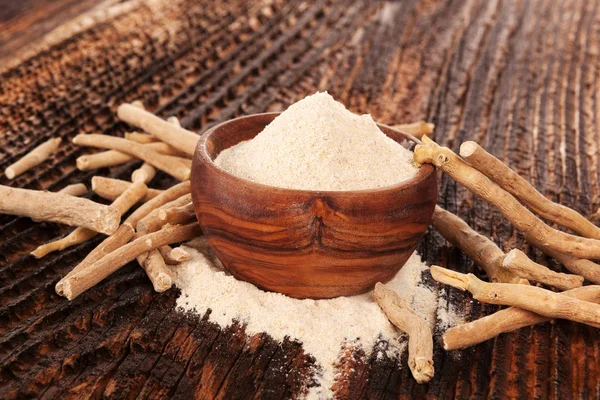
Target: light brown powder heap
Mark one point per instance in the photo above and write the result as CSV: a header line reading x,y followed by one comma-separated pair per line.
x,y
316,144
322,326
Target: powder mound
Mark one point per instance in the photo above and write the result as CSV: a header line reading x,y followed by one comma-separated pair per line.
x,y
316,144
323,326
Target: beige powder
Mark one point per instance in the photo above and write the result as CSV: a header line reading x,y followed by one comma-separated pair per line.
x,y
322,326
316,144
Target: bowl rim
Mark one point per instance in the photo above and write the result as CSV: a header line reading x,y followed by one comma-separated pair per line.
x,y
421,176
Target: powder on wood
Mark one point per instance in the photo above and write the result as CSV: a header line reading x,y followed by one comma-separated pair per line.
x,y
316,144
322,326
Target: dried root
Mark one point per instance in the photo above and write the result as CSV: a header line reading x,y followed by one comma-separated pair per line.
x,y
145,173
123,203
142,138
516,185
420,337
500,267
91,275
416,129
507,320
479,248
111,158
180,138
34,158
76,189
586,268
170,164
59,207
110,189
177,215
517,262
156,269
153,221
177,256
126,231
79,235
531,298
123,235
536,231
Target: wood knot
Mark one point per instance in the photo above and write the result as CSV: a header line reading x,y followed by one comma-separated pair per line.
x,y
493,295
320,208
440,160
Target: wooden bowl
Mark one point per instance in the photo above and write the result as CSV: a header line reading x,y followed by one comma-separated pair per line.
x,y
307,244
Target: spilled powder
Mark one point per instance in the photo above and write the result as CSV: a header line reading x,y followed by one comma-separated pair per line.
x,y
317,144
323,326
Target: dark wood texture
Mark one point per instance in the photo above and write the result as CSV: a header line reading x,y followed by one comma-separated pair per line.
x,y
519,77
25,21
301,243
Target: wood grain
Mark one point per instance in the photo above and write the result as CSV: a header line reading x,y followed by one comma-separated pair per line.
x,y
24,22
519,77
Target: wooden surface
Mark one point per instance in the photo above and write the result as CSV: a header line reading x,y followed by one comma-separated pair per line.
x,y
520,77
307,244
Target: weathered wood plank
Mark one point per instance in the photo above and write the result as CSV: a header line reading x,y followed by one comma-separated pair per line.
x,y
520,77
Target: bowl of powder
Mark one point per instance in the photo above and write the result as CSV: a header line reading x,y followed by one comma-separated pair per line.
x,y
314,202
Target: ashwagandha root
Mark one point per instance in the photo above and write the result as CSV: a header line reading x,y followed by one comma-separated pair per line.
x,y
173,120
180,138
102,159
152,262
145,173
177,215
82,280
110,189
165,252
35,157
531,298
123,203
152,222
420,337
157,270
126,231
130,196
516,185
477,247
416,129
76,189
79,235
517,262
123,235
111,158
165,163
167,196
500,267
176,255
507,320
169,255
535,230
59,207
138,104
586,268
143,138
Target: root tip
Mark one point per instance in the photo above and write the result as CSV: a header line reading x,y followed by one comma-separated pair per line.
x,y
468,148
162,282
423,370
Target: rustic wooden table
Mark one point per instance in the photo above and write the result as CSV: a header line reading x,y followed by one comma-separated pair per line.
x,y
519,77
